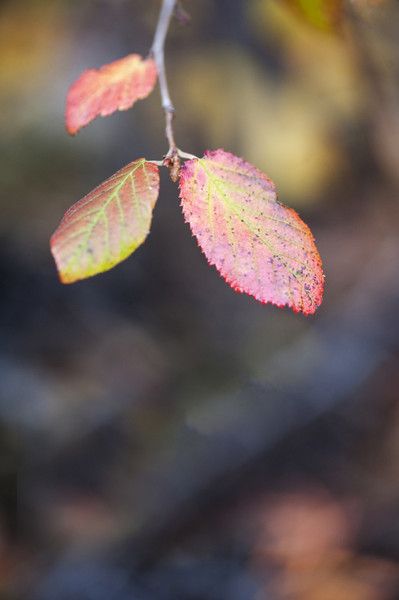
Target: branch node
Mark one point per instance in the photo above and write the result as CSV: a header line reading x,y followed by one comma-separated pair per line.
x,y
172,162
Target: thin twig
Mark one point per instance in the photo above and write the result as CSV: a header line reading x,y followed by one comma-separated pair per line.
x,y
171,159
181,14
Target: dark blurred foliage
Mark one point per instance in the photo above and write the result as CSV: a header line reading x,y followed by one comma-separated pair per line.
x,y
163,438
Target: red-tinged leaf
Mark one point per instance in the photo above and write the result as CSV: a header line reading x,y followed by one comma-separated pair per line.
x,y
116,86
108,224
259,246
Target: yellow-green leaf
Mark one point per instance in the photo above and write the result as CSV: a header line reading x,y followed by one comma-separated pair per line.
x,y
108,224
322,14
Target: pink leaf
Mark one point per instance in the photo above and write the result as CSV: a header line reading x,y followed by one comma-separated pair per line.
x,y
116,86
108,224
258,245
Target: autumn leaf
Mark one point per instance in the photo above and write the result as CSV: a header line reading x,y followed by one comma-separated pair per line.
x,y
108,224
116,86
258,245
322,14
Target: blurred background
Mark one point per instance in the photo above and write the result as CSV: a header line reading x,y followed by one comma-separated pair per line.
x,y
161,437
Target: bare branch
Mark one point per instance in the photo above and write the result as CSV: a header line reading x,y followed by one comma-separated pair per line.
x,y
181,14
158,52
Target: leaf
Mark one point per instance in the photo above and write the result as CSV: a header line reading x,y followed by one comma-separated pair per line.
x,y
116,86
258,245
322,14
108,224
